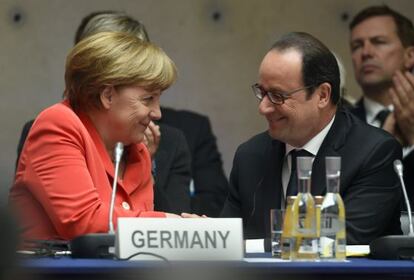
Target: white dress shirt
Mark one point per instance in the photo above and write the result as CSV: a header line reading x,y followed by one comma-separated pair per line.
x,y
372,108
312,146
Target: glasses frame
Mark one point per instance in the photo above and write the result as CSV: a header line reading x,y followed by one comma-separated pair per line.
x,y
276,98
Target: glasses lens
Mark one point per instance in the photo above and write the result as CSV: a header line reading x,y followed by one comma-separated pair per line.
x,y
257,91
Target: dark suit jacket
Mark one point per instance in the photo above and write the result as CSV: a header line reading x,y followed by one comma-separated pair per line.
x,y
369,186
210,183
172,172
408,161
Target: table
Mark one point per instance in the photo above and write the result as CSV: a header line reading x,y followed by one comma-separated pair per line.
x,y
356,268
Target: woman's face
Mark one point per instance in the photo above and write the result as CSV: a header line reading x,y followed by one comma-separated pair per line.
x,y
130,112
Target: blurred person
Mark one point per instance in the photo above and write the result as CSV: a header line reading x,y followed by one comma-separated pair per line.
x,y
346,101
299,91
63,183
382,50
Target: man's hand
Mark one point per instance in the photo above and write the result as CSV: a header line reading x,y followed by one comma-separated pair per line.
x,y
390,125
152,136
402,96
171,215
188,215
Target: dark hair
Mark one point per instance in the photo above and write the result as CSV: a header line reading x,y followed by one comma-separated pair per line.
x,y
405,29
319,65
112,21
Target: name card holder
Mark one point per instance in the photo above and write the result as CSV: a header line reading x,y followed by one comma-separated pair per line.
x,y
180,239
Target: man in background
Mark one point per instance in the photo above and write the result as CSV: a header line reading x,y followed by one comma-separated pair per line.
x,y
382,48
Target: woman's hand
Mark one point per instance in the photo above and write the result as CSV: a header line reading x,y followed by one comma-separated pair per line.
x,y
188,215
171,215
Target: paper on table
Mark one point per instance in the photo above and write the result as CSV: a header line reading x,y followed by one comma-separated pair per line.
x,y
257,246
357,250
254,246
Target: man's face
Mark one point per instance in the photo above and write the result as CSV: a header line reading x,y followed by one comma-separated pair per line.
x,y
377,52
296,121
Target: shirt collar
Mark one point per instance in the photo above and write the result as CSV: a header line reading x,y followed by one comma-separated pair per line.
x,y
372,108
313,145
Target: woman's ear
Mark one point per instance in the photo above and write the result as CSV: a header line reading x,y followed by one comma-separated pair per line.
x,y
106,97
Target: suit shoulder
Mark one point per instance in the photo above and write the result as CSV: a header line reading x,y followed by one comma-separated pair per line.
x,y
183,115
368,135
171,133
59,113
59,118
256,144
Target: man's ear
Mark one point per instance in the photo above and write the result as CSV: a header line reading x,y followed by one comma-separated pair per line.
x,y
106,97
324,92
409,58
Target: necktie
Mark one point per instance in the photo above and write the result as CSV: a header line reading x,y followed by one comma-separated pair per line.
x,y
292,188
382,116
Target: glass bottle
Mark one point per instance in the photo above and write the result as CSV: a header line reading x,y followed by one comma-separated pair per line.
x,y
304,241
318,203
287,229
332,242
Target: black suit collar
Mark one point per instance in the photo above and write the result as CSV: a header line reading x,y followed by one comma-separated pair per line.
x,y
271,190
332,143
359,110
274,159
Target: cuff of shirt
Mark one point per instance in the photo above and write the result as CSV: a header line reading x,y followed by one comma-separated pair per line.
x,y
407,151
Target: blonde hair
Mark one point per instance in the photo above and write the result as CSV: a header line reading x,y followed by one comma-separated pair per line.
x,y
114,59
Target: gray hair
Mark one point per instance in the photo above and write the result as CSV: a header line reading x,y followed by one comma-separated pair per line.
x,y
110,21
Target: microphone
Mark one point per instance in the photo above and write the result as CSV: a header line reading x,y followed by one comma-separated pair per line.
x,y
398,167
394,247
119,150
100,245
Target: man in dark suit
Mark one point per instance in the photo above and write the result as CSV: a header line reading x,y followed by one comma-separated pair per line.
x,y
209,184
382,46
298,90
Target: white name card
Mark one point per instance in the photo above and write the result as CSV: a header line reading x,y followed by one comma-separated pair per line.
x,y
180,239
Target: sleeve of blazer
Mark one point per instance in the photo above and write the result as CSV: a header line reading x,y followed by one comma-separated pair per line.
x,y
57,176
210,183
173,172
232,207
372,201
23,136
408,162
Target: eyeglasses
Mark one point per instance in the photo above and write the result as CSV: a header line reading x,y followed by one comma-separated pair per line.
x,y
277,98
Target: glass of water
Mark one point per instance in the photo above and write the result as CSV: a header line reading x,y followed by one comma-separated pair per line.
x,y
276,227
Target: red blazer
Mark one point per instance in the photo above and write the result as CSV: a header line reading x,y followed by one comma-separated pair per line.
x,y
63,181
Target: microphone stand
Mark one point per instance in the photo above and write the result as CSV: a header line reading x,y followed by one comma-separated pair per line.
x,y
99,245
394,247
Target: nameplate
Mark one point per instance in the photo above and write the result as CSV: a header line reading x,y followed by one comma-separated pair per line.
x,y
180,239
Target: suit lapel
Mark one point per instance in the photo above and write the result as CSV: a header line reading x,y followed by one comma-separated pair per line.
x,y
272,180
271,187
359,110
333,141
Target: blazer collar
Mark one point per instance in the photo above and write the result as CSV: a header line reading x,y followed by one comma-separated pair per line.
x,y
331,145
359,110
275,155
131,177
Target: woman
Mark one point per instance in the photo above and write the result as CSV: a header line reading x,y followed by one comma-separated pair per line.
x,y
65,173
